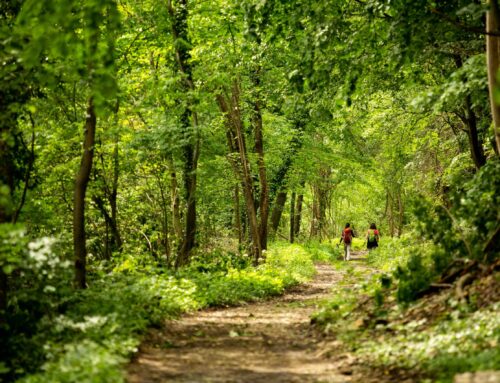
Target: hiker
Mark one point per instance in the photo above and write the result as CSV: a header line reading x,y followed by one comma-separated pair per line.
x,y
347,235
372,237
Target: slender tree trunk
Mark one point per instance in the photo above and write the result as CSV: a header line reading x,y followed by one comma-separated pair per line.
x,y
164,221
279,205
237,215
27,176
114,196
475,144
259,148
292,218
493,59
390,215
470,121
175,202
401,214
82,179
113,244
190,166
315,213
298,215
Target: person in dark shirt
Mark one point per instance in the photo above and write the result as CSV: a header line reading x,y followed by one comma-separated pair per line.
x,y
372,237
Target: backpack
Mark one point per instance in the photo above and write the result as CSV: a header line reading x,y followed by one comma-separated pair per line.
x,y
372,237
347,236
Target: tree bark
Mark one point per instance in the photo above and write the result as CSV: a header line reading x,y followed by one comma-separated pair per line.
x,y
82,179
164,220
234,123
190,149
493,60
237,215
469,119
401,214
390,215
279,205
259,149
27,176
475,144
113,197
175,203
298,215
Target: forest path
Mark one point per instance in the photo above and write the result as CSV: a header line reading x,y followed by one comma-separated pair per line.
x,y
268,341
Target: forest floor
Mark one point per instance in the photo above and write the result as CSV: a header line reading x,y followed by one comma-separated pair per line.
x,y
267,341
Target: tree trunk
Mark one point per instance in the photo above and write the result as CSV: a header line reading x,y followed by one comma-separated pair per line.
x,y
401,214
82,179
234,123
259,149
27,176
117,239
237,215
115,243
164,219
315,214
279,205
298,215
320,202
179,19
292,218
493,59
390,215
190,166
175,202
470,121
475,144
249,198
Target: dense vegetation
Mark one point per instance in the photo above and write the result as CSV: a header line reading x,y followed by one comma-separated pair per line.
x,y
154,153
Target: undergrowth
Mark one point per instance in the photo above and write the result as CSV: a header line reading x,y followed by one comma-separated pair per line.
x,y
368,314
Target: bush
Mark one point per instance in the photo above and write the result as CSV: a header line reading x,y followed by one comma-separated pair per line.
x,y
467,228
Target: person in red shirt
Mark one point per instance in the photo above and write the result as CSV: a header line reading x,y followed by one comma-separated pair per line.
x,y
347,235
372,237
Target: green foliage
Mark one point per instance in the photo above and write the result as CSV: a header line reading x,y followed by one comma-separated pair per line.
x,y
454,345
413,278
324,252
476,212
37,281
466,229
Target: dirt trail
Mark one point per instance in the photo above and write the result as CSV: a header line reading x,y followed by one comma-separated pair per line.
x,y
269,341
